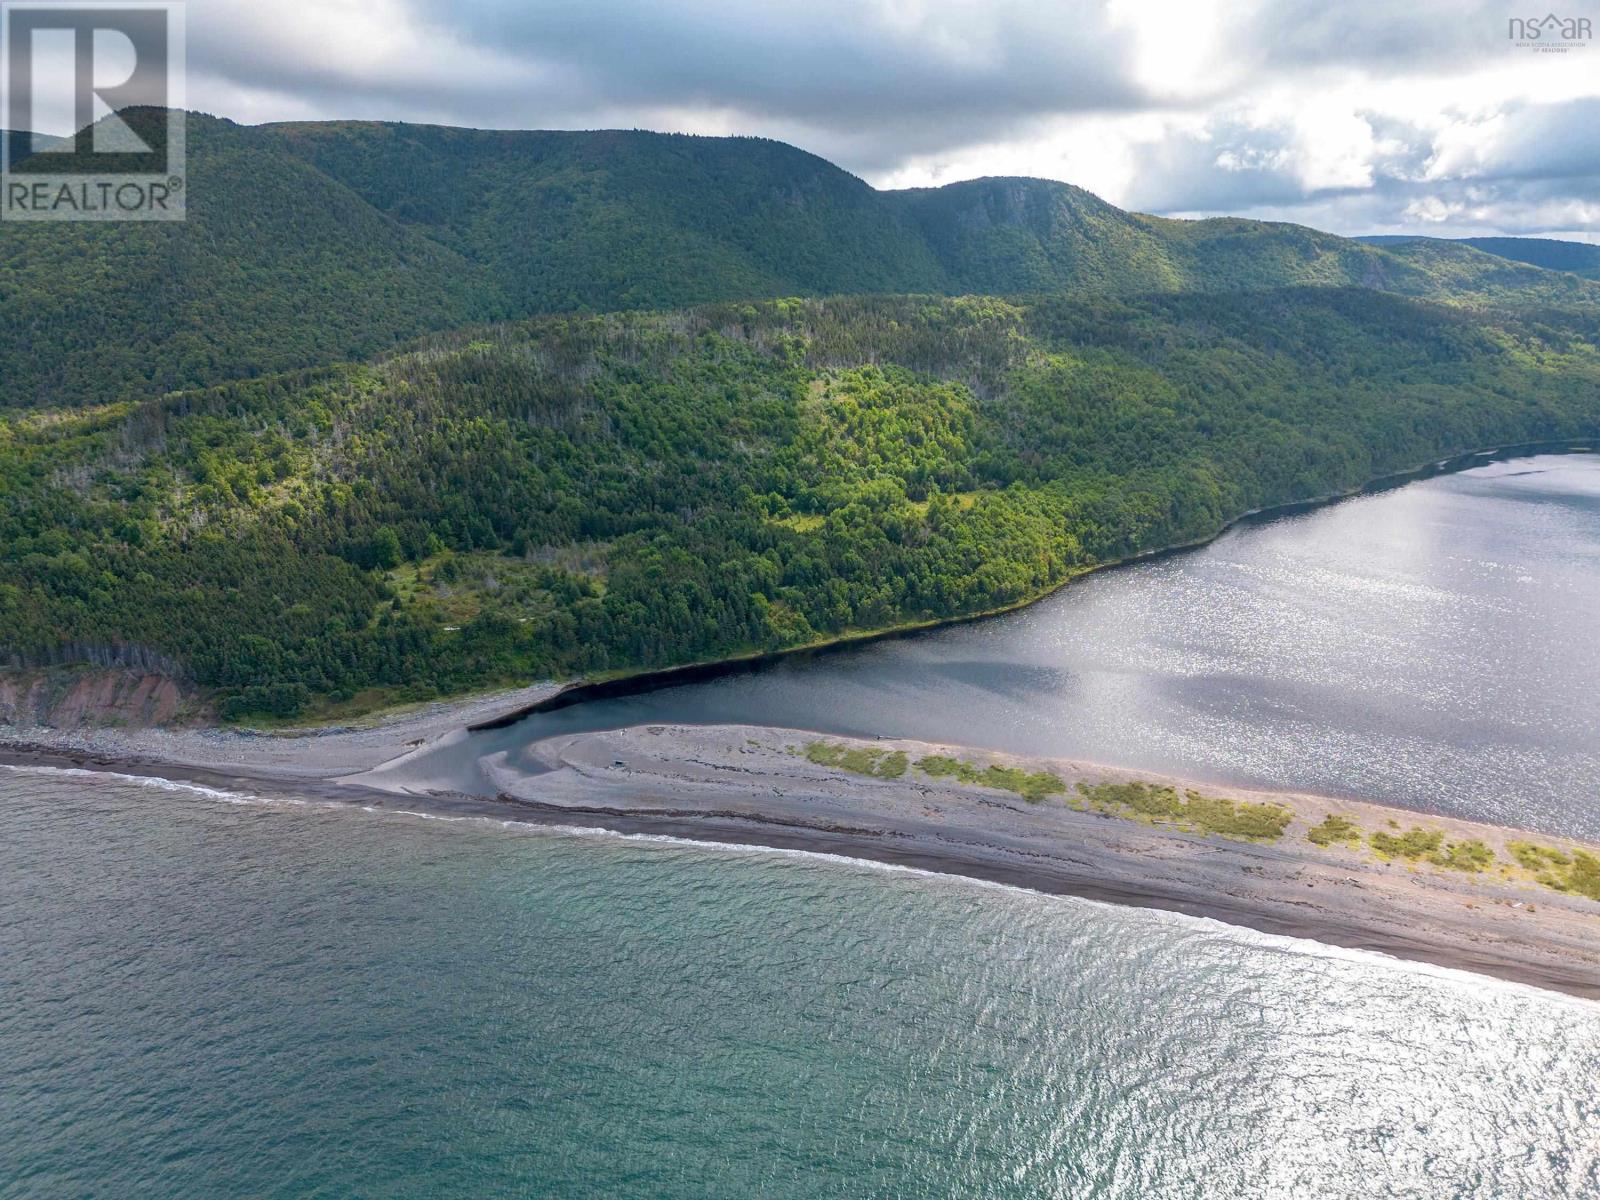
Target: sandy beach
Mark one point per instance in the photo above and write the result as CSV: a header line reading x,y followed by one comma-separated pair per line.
x,y
757,785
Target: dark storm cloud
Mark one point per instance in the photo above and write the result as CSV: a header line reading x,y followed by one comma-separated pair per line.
x,y
867,73
832,62
881,86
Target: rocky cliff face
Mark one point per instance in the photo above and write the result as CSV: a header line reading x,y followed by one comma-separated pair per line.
x,y
69,698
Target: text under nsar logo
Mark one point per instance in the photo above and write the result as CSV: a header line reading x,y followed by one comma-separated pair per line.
x,y
1550,33
92,102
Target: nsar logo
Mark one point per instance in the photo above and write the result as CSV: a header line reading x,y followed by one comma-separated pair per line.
x,y
1550,33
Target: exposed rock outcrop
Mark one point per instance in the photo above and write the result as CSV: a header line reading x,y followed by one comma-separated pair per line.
x,y
68,698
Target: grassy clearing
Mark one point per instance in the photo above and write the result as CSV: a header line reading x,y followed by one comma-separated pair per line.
x,y
961,500
801,522
453,588
1193,811
1032,787
880,764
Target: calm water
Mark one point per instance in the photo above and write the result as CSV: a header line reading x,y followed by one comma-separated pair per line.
x,y
1436,645
214,999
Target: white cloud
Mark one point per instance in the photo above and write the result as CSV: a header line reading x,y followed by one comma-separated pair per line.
x,y
1431,209
1356,116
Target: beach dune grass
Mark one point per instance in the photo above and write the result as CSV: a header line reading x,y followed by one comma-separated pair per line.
x,y
1574,872
1334,830
1577,872
1194,811
1470,855
880,764
1413,845
1538,858
1428,845
1031,786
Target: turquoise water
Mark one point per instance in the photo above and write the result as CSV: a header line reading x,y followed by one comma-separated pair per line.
x,y
209,998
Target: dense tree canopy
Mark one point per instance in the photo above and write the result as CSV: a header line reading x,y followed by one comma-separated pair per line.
x,y
591,493
314,243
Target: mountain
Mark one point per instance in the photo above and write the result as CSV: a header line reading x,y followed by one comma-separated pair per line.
x,y
277,266
1033,235
611,220
311,243
579,494
1580,258
21,143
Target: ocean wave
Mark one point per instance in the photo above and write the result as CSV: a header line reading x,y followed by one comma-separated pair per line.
x,y
1199,925
1193,924
154,782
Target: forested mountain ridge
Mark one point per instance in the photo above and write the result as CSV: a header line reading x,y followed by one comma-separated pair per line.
x,y
276,267
1553,254
19,142
320,242
611,219
795,222
1005,236
581,494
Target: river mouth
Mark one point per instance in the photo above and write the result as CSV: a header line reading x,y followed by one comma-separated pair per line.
x,y
1427,645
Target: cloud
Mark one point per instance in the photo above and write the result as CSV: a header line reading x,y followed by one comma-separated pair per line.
x,y
1357,116
875,79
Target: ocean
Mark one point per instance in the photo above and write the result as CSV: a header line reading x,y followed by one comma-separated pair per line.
x,y
214,995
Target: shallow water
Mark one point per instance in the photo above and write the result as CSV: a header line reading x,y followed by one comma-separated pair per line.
x,y
228,999
1433,646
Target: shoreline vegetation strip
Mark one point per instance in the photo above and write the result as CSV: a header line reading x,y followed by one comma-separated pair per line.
x,y
1570,872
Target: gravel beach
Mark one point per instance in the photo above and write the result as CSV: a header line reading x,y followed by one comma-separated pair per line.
x,y
756,785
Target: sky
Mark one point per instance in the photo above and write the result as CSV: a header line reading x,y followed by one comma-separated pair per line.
x,y
1409,116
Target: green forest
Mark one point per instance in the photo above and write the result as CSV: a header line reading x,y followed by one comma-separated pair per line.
x,y
323,242
597,493
1580,258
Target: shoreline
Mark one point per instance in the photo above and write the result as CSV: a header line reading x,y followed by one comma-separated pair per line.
x,y
733,785
499,707
753,786
635,683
